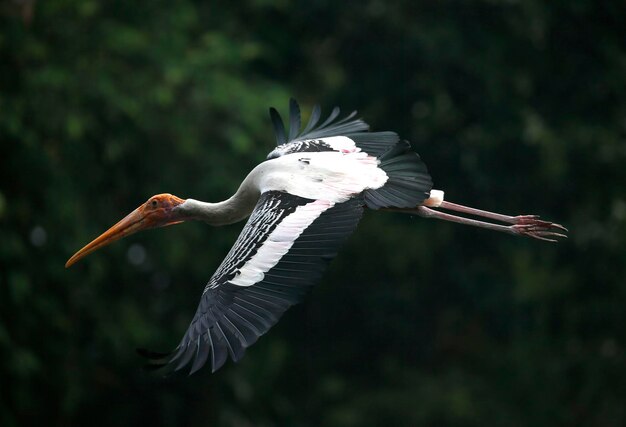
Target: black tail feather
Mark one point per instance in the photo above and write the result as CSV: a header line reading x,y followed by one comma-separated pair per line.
x,y
409,182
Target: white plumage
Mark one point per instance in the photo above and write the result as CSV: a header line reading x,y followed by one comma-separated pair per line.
x,y
279,242
328,175
302,203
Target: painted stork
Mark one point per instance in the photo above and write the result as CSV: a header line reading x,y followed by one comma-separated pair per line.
x,y
302,203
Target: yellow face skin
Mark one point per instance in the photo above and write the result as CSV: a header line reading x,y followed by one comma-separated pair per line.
x,y
158,211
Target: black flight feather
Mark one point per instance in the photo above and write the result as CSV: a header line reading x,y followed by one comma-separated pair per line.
x,y
279,127
230,317
315,117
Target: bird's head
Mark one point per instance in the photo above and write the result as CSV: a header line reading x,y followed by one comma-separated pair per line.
x,y
160,210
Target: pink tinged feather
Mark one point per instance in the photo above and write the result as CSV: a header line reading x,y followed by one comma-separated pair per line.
x,y
342,144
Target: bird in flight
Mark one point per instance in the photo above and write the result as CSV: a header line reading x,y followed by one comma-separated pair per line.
x,y
303,201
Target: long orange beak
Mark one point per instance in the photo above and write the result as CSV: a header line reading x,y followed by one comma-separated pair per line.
x,y
148,215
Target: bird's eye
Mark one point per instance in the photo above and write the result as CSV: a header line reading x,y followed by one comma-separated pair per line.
x,y
154,203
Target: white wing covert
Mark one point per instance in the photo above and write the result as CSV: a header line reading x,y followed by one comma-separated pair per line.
x,y
282,251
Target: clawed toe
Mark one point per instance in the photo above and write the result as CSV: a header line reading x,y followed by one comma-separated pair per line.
x,y
535,221
520,225
538,229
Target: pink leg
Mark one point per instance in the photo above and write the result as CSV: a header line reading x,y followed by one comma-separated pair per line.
x,y
485,214
519,219
523,225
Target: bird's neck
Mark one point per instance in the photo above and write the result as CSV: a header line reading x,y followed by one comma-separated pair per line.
x,y
234,209
238,207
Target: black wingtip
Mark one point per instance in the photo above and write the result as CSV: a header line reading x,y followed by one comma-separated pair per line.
x,y
332,126
279,127
314,119
333,115
153,355
156,361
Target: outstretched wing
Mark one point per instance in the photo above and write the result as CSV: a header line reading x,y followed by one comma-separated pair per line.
x,y
346,134
281,252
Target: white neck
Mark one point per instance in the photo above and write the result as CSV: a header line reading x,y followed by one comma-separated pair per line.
x,y
236,208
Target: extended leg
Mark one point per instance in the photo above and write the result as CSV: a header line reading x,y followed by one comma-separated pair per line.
x,y
486,214
523,225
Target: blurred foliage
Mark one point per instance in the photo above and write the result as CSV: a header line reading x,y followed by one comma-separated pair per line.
x,y
516,106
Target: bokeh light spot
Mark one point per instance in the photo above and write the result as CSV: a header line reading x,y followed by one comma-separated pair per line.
x,y
136,254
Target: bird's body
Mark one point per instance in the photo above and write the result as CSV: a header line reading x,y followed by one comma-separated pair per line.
x,y
302,203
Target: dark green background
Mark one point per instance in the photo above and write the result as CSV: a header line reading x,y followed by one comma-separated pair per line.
x,y
516,106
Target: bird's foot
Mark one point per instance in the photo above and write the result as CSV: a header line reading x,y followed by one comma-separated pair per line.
x,y
532,226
